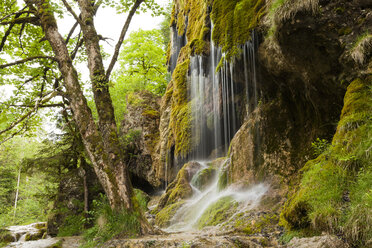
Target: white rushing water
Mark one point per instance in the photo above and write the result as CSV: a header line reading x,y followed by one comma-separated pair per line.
x,y
187,217
19,233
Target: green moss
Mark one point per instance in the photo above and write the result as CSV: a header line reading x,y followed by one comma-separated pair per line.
x,y
266,223
218,212
182,189
223,179
199,46
56,245
164,217
180,120
319,204
233,23
204,178
150,113
179,189
134,100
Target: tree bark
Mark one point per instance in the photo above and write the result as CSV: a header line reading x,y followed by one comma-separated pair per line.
x,y
101,143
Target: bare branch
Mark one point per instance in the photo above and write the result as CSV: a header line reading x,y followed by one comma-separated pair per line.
x,y
69,9
78,45
121,38
71,32
27,60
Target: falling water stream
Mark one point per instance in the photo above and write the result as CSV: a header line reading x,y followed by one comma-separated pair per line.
x,y
187,217
215,121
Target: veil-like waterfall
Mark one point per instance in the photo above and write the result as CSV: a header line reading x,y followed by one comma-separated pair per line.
x,y
220,98
213,89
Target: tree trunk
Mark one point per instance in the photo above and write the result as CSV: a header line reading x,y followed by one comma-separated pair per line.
x,y
101,143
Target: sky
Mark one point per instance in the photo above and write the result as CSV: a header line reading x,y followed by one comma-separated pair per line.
x,y
109,24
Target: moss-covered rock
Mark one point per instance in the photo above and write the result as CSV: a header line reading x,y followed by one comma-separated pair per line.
x,y
319,202
180,188
164,216
217,212
233,22
6,237
139,134
204,178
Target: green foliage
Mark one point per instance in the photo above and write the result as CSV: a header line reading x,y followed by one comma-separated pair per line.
x,y
165,25
72,225
142,67
319,146
110,224
132,136
33,200
142,199
288,236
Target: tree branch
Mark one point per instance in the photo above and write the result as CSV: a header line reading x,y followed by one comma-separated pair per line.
x,y
69,9
54,105
33,20
27,60
17,13
71,32
7,33
23,117
121,38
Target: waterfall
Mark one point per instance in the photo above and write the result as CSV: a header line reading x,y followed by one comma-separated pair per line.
x,y
249,51
220,98
177,42
216,115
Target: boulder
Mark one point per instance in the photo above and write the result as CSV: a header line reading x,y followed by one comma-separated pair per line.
x,y
324,241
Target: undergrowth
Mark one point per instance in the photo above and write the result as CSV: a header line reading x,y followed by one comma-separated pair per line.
x,y
110,224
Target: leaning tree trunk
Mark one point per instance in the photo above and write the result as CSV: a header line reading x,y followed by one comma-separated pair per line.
x,y
101,143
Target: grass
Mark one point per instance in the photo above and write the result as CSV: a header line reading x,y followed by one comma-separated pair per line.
x,y
110,224
361,48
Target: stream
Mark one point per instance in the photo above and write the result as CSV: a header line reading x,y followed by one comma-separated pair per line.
x,y
34,236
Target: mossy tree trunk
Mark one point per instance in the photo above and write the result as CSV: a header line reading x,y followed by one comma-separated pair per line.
x,y
100,141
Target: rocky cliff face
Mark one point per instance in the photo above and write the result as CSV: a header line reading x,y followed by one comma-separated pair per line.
x,y
307,54
139,133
